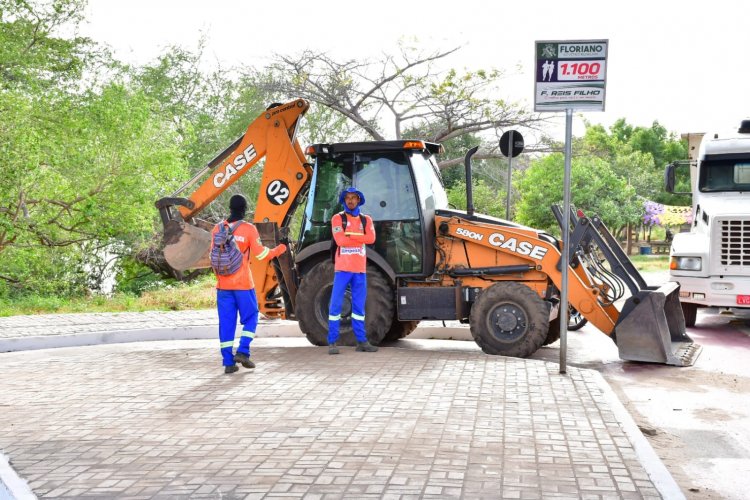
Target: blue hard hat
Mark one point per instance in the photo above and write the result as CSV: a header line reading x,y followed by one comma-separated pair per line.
x,y
352,190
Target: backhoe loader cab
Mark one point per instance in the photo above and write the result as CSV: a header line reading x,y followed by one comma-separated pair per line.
x,y
402,186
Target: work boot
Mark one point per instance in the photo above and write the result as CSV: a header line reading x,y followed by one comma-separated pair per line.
x,y
366,347
333,349
244,360
230,368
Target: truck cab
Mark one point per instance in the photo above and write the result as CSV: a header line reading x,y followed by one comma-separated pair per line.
x,y
712,261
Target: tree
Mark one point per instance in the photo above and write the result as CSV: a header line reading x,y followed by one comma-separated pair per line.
x,y
487,200
636,154
81,162
34,56
82,173
595,189
419,101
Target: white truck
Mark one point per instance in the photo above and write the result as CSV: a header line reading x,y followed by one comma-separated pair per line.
x,y
712,261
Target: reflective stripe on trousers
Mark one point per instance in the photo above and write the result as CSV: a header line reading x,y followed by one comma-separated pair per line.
x,y
358,284
229,303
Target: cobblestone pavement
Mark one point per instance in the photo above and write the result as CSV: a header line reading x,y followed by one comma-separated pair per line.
x,y
161,420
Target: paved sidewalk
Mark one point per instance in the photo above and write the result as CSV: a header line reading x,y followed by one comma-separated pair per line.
x,y
161,420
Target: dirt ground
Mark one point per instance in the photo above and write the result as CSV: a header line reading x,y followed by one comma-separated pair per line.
x,y
696,418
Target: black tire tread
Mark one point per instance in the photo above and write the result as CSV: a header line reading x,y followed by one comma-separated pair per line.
x,y
308,293
400,329
521,296
313,287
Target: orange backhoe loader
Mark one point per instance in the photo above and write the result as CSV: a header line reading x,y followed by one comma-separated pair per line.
x,y
429,261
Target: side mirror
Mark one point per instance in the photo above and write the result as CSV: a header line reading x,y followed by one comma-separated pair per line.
x,y
669,178
679,168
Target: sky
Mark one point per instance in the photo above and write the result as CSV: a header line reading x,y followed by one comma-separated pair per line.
x,y
682,66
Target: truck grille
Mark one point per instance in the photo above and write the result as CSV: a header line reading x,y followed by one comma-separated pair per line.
x,y
734,242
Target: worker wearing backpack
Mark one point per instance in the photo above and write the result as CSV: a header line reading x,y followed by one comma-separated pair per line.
x,y
234,288
351,233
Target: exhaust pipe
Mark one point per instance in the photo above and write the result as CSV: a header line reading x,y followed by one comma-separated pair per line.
x,y
469,193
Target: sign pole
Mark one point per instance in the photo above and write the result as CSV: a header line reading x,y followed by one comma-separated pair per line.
x,y
570,74
566,242
510,171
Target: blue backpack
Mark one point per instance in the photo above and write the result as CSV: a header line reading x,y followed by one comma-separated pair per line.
x,y
225,256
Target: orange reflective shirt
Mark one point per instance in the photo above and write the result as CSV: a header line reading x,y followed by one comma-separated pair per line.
x,y
351,255
248,241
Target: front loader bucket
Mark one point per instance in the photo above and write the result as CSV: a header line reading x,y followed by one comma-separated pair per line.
x,y
651,327
186,246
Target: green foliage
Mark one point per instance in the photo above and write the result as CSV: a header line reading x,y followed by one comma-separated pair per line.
x,y
34,57
82,169
595,189
637,154
135,278
81,163
200,294
457,148
487,200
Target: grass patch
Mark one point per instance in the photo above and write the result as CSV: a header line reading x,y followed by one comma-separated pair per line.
x,y
198,295
650,263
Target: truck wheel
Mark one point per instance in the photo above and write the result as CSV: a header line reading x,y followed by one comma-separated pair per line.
x,y
399,329
690,311
314,296
576,321
509,319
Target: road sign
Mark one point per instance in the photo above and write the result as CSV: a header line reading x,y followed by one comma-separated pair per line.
x,y
570,75
517,143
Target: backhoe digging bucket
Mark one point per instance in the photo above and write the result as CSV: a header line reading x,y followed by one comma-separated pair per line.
x,y
651,328
186,246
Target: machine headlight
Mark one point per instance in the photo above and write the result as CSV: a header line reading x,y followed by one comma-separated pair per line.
x,y
685,264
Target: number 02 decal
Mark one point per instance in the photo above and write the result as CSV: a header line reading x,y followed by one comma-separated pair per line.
x,y
277,192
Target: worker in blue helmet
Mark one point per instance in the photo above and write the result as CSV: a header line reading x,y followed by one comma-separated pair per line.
x,y
352,231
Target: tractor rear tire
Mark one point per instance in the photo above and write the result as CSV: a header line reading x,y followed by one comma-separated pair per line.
x,y
314,296
509,319
399,329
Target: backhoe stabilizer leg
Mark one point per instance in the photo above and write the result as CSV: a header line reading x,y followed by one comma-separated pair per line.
x,y
651,328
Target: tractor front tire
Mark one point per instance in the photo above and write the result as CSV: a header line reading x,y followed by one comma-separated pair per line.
x,y
509,319
314,297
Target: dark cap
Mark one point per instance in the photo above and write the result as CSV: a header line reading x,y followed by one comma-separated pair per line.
x,y
237,203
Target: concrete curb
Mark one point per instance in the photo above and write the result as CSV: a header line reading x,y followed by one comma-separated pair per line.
x,y
11,485
266,329
651,462
28,343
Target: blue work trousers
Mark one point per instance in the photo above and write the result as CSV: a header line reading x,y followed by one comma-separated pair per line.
x,y
358,284
229,303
